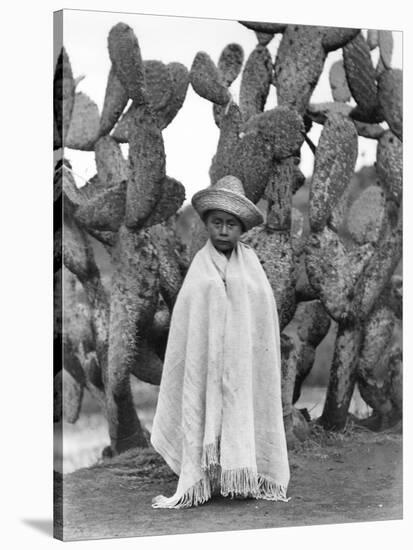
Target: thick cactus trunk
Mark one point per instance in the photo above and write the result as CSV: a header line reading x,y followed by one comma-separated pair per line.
x,y
274,250
135,287
288,375
342,377
384,393
379,373
312,323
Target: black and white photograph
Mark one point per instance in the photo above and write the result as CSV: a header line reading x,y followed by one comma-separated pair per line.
x,y
229,316
227,258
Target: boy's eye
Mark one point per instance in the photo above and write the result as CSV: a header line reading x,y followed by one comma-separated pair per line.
x,y
217,223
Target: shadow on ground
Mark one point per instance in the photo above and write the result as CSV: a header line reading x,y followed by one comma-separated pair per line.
x,y
43,525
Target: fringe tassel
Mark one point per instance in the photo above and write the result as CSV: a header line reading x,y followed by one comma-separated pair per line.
x,y
210,464
245,482
270,490
197,494
211,454
242,481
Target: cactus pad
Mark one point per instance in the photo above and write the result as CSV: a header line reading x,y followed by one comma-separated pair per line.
x,y
386,47
158,84
179,77
358,258
230,62
328,270
390,84
337,37
378,335
224,159
313,322
269,28
372,39
264,38
282,127
175,84
389,164
298,65
383,388
334,163
255,82
146,167
366,215
106,210
116,98
63,96
207,81
77,253
379,269
361,78
253,163
171,198
111,166
84,125
340,210
338,82
125,54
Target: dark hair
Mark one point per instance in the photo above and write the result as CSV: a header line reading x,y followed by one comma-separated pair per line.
x,y
205,215
207,212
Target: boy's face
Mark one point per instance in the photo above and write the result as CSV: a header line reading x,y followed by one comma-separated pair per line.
x,y
224,229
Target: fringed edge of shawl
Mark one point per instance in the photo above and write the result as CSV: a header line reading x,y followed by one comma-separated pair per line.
x,y
270,490
203,489
239,482
242,482
197,494
245,482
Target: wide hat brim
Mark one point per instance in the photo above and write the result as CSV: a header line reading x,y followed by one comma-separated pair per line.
x,y
228,201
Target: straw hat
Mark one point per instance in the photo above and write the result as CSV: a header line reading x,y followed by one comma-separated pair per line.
x,y
228,194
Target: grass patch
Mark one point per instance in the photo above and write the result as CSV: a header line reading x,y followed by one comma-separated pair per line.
x,y
319,437
143,464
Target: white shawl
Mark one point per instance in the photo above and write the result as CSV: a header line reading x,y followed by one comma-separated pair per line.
x,y
219,420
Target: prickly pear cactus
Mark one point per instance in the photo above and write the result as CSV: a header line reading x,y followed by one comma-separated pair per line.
x,y
373,220
343,277
120,207
332,262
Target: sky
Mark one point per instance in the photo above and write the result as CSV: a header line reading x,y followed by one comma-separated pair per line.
x,y
191,138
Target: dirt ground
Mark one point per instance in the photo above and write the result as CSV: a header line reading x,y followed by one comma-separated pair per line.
x,y
335,478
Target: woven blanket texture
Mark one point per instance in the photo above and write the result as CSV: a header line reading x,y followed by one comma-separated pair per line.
x,y
218,422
